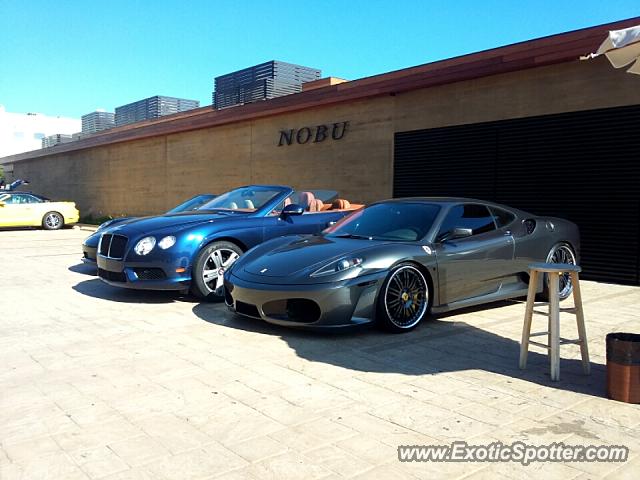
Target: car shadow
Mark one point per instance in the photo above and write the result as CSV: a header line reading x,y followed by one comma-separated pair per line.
x,y
22,229
84,268
439,345
97,289
16,229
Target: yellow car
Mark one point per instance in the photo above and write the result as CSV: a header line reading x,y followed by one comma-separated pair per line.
x,y
22,209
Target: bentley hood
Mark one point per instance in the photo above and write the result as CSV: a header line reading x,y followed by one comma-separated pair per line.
x,y
173,223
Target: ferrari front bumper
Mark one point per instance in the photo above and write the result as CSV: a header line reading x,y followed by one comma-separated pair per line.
x,y
322,305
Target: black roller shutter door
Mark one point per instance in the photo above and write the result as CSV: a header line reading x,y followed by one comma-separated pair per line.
x,y
583,166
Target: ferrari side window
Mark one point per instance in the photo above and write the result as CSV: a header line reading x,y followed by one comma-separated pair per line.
x,y
502,217
473,216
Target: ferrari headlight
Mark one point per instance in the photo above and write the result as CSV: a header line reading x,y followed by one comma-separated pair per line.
x,y
338,266
167,242
144,246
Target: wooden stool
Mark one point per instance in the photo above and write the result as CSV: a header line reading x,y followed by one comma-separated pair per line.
x,y
554,270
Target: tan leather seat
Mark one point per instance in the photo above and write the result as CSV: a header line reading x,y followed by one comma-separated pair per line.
x,y
249,204
340,204
306,200
316,205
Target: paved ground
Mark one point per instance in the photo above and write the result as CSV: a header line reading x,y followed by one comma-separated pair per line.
x,y
98,382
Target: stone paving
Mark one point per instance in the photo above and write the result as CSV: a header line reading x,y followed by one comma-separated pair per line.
x,y
98,382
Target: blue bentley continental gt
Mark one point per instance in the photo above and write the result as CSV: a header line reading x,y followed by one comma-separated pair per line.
x,y
90,245
192,250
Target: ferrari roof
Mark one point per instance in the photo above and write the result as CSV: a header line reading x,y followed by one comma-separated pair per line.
x,y
443,200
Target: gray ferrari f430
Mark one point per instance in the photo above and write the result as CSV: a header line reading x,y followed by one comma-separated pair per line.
x,y
396,261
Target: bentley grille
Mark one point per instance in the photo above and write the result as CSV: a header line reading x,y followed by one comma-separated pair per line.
x,y
113,246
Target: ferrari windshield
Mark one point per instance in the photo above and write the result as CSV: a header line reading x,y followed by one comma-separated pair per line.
x,y
395,221
243,200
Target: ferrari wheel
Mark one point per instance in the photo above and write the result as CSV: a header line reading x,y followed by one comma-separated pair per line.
x,y
209,268
560,253
404,299
52,221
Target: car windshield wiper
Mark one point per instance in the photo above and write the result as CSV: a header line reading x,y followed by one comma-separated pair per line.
x,y
353,235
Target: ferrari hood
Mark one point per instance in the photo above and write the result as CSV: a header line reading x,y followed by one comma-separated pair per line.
x,y
304,253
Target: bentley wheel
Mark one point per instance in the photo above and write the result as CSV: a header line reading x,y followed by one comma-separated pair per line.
x,y
209,269
404,299
52,221
560,253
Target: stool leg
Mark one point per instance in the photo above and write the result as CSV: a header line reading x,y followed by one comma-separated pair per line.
x,y
582,331
554,330
528,317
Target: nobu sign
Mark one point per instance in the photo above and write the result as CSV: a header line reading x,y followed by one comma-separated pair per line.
x,y
317,134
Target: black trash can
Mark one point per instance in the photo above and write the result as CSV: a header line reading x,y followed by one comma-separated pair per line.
x,y
623,367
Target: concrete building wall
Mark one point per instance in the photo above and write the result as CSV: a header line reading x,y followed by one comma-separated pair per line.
x,y
151,175
568,87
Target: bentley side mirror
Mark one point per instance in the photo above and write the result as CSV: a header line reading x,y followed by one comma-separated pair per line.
x,y
292,209
457,232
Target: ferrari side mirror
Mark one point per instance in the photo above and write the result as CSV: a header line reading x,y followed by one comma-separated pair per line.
x,y
457,232
461,232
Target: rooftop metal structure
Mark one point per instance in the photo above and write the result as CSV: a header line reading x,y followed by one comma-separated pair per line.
x,y
261,82
152,107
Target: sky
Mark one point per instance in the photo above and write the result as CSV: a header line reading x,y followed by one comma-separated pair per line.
x,y
71,57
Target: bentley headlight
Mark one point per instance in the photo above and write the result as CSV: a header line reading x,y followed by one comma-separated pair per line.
x,y
144,246
338,266
167,242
